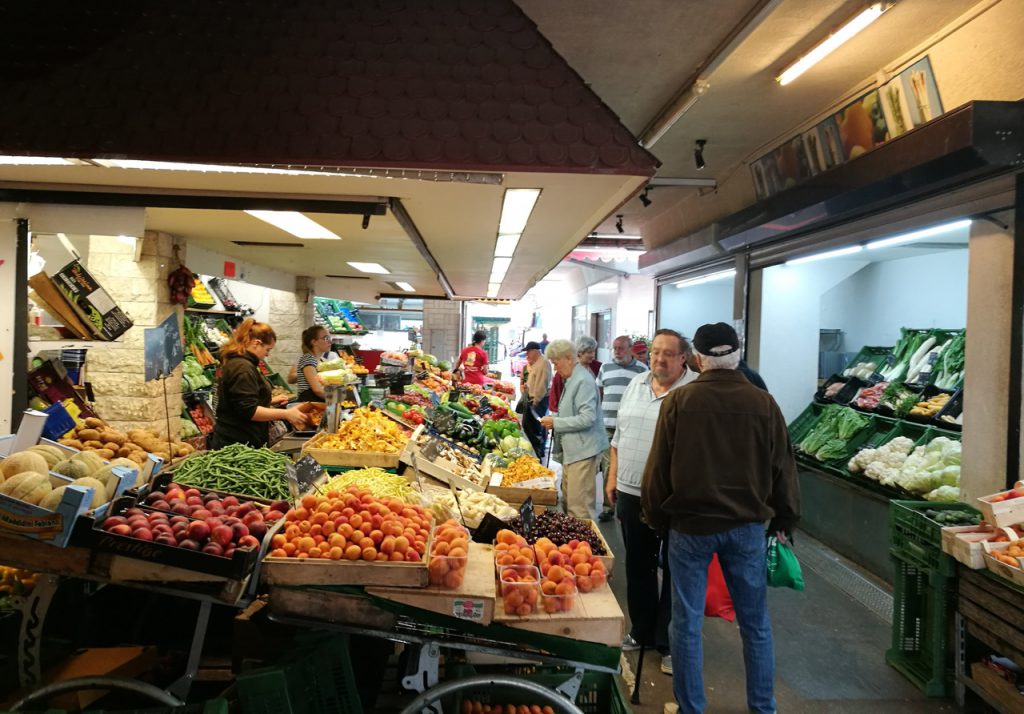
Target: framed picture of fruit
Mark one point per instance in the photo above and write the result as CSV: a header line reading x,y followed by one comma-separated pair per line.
x,y
862,125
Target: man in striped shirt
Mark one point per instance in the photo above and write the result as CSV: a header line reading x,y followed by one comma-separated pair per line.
x,y
612,380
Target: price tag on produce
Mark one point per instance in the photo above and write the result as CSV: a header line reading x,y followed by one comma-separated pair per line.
x,y
443,421
431,449
485,408
527,516
292,477
307,472
875,378
419,476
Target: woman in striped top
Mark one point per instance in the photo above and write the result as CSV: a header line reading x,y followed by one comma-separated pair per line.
x,y
316,341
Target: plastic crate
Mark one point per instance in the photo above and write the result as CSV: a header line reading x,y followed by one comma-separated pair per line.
x,y
799,427
600,692
58,422
930,391
878,355
918,433
921,622
214,706
954,408
314,678
917,539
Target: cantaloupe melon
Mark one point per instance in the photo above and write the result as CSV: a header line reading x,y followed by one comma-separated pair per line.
x,y
29,486
98,490
93,461
53,498
23,461
52,454
72,469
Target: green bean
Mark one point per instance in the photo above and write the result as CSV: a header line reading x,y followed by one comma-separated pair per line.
x,y
237,468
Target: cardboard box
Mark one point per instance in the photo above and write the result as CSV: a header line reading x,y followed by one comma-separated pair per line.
x,y
50,382
98,310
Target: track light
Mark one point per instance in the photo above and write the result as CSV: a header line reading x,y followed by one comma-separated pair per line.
x,y
644,198
698,153
366,221
618,224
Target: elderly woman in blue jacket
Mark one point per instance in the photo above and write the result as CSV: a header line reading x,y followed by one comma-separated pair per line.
x,y
579,433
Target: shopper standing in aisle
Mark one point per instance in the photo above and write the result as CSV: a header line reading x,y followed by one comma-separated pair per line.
x,y
473,360
586,352
640,352
612,380
579,435
535,396
243,394
637,415
316,342
721,464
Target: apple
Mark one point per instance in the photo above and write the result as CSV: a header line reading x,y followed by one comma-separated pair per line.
x,y
198,531
122,529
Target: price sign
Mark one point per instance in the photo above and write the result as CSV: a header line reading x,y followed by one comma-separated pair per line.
x,y
444,421
890,360
875,378
431,449
485,408
307,472
528,517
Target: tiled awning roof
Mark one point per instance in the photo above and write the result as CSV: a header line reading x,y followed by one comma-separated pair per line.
x,y
453,84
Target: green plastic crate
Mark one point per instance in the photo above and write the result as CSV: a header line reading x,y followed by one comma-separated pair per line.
x,y
600,692
917,539
877,355
214,706
921,622
278,381
799,427
314,678
918,433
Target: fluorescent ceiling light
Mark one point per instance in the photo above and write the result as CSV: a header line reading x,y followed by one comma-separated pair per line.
x,y
506,245
601,288
516,209
614,236
827,254
34,161
832,42
295,223
917,235
710,277
496,277
492,289
370,268
500,265
406,287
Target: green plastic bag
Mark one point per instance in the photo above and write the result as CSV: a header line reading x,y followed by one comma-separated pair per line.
x,y
783,567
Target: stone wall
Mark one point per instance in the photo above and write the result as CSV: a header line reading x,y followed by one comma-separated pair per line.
x,y
116,371
442,320
290,314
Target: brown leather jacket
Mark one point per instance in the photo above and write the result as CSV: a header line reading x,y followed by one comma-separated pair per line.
x,y
721,458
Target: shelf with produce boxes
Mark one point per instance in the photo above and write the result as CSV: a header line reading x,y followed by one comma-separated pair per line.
x,y
523,477
829,436
368,438
915,459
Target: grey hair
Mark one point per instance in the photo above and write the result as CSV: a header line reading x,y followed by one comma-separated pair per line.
x,y
586,343
729,361
560,348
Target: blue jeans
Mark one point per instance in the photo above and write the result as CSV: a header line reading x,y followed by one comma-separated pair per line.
x,y
741,552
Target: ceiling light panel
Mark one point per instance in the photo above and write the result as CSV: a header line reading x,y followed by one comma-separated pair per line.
x,y
376,268
516,209
506,245
406,287
295,223
33,161
826,255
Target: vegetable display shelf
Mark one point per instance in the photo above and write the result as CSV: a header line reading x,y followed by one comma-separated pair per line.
x,y
917,539
920,651
881,356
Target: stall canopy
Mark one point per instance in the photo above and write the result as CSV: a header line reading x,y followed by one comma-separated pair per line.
x,y
438,106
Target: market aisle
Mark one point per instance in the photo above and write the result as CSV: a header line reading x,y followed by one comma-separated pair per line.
x,y
830,653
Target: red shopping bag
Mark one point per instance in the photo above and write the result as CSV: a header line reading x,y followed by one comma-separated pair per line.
x,y
717,602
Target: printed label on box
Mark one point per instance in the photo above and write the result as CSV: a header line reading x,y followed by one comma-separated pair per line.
x,y
466,609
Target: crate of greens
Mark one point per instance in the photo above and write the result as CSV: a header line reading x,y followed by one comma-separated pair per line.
x,y
829,439
238,469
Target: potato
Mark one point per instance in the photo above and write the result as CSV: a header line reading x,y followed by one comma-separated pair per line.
x,y
105,454
124,452
111,446
89,435
92,444
182,450
75,444
138,457
66,442
113,436
94,423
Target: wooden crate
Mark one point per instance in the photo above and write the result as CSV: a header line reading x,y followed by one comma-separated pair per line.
x,y
440,468
356,459
1014,575
1002,513
997,688
329,606
473,600
963,543
993,613
515,496
608,560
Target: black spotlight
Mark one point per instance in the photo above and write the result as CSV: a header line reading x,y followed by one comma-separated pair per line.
x,y
645,199
698,153
366,221
618,224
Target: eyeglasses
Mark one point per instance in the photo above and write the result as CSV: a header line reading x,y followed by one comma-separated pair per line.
x,y
325,337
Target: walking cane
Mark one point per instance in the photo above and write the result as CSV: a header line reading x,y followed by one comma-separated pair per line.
x,y
635,699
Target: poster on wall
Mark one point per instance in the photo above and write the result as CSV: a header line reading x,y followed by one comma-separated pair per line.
x,y
828,140
921,91
895,106
862,125
812,150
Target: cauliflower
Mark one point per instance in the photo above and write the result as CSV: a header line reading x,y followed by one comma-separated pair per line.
x,y
900,444
879,471
860,460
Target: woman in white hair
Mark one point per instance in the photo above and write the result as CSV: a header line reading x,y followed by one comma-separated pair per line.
x,y
580,438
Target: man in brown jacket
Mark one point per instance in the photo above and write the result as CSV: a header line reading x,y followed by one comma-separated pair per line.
x,y
720,466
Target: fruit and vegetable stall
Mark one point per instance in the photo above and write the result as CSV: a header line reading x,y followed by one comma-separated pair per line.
x,y
385,528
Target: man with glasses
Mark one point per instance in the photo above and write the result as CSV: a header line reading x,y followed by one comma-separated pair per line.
x,y
650,607
612,380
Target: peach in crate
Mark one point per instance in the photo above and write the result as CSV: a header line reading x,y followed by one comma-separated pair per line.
x,y
449,555
558,590
512,549
577,558
520,589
